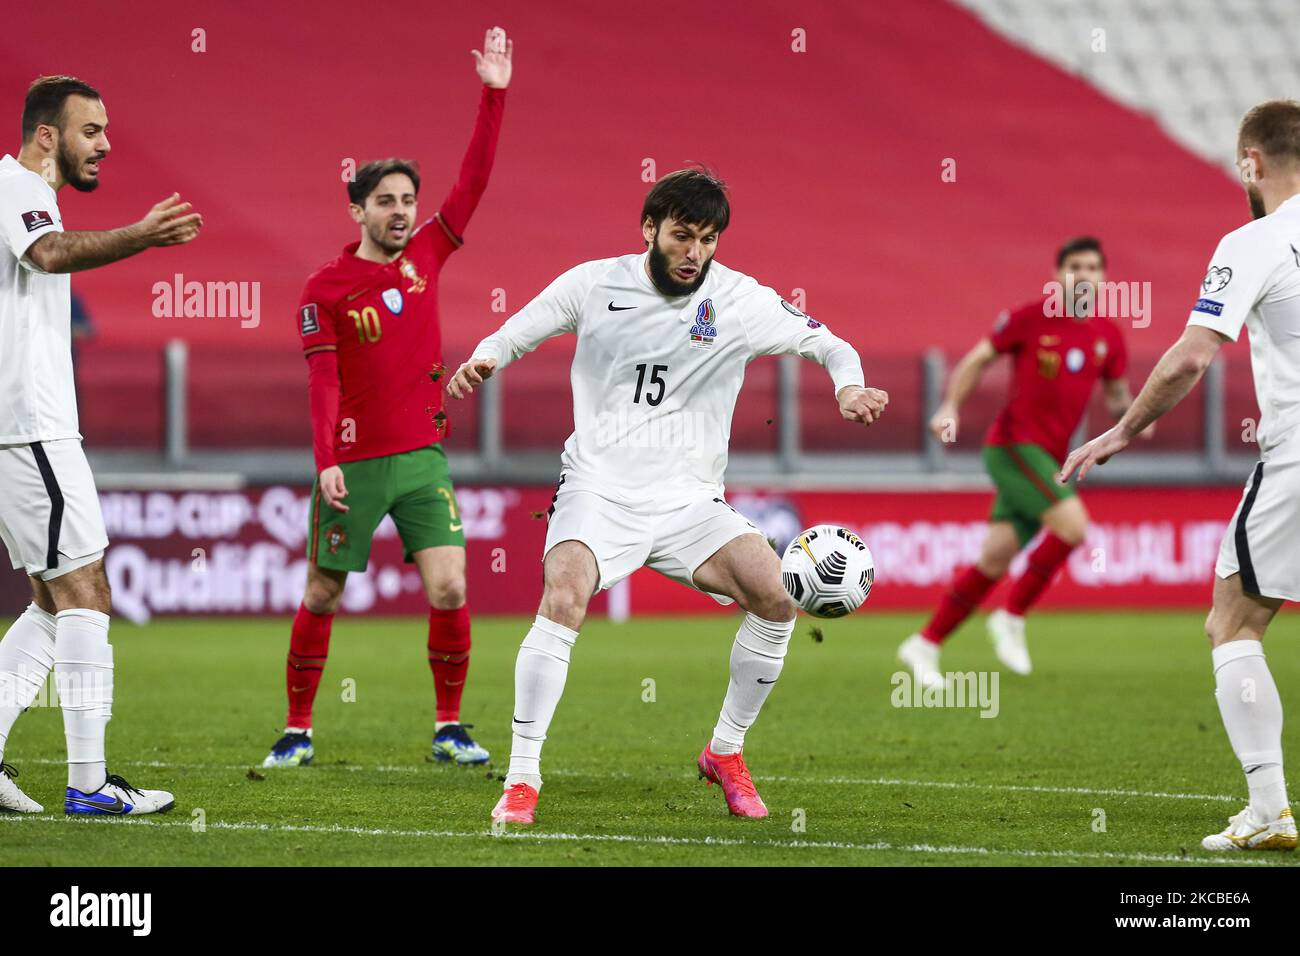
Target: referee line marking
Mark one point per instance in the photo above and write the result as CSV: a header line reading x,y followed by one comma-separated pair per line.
x,y
653,840
770,778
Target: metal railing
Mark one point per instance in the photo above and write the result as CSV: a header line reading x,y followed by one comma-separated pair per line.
x,y
489,458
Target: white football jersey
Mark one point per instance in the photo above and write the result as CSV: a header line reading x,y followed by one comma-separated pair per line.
x,y
1254,279
655,379
38,401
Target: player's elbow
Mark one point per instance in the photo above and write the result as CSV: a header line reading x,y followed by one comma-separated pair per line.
x,y
1195,351
44,254
1193,362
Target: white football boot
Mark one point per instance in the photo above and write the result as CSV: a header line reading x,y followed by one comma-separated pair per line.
x,y
1247,832
13,800
922,657
117,798
1007,632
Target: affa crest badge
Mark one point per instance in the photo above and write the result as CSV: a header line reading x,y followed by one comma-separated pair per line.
x,y
704,330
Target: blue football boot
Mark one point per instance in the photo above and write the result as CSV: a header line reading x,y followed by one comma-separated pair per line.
x,y
453,743
291,750
116,798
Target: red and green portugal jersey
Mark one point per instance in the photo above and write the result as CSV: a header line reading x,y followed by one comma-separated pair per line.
x,y
1056,362
382,319
382,393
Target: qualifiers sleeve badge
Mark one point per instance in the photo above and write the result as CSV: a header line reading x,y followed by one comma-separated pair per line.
x,y
812,323
1216,280
308,320
37,219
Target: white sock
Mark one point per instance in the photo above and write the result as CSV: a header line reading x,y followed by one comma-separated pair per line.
x,y
26,656
1252,715
756,660
540,671
83,671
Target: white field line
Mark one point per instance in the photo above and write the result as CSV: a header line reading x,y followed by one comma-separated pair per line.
x,y
827,781
543,837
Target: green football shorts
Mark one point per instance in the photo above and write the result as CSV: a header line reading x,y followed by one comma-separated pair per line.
x,y
1025,478
414,487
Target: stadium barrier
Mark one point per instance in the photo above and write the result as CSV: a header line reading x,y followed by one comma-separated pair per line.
x,y
242,552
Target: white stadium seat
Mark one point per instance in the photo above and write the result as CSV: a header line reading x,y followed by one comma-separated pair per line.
x,y
1195,65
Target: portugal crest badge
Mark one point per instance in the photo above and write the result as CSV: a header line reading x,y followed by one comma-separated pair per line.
x,y
393,299
335,537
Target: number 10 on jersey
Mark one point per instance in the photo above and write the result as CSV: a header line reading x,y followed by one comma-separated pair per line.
x,y
367,320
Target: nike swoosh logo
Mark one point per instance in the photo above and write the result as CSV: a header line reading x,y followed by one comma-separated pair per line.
x,y
117,806
454,683
518,721
761,681
456,527
619,308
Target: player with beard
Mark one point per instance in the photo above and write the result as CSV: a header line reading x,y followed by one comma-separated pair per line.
x,y
50,519
370,333
664,337
1253,281
1060,347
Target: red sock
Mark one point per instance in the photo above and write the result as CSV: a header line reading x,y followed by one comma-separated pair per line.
x,y
308,646
448,658
1044,561
968,589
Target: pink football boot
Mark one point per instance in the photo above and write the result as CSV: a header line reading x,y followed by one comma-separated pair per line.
x,y
737,785
517,805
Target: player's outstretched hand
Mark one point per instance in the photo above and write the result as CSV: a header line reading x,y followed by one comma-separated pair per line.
x,y
864,405
474,372
1096,452
493,64
170,223
332,487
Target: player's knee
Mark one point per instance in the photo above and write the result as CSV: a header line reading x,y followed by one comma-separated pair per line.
x,y
83,588
447,593
1074,534
564,605
1218,628
993,565
771,604
102,595
322,596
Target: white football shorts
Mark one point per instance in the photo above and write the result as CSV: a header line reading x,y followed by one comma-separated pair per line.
x,y
1262,543
673,539
50,520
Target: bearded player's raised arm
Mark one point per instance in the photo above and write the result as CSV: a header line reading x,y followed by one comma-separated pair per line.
x,y
493,66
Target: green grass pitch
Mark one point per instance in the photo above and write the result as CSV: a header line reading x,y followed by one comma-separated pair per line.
x,y
1111,753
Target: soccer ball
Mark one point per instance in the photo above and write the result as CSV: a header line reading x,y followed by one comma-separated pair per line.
x,y
828,571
